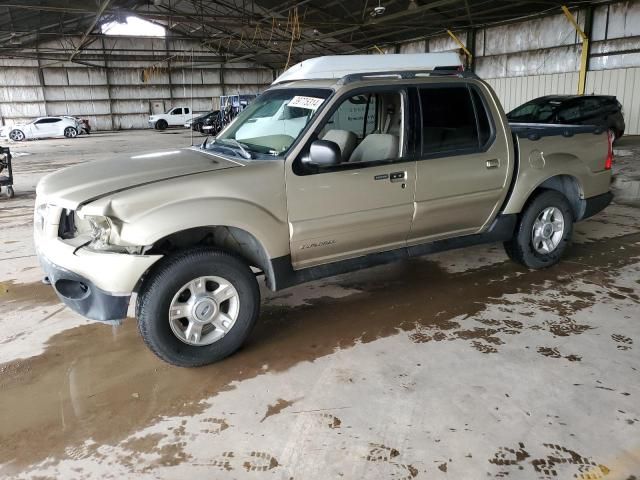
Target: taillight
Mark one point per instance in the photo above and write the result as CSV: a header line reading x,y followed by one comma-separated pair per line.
x,y
609,161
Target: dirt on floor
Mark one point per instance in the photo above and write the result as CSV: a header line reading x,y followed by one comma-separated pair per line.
x,y
459,364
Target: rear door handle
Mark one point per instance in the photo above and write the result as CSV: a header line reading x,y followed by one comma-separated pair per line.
x,y
397,177
495,163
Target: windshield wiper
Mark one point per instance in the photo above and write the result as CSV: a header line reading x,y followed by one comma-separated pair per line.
x,y
244,152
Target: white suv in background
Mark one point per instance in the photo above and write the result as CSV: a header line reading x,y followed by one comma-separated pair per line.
x,y
42,127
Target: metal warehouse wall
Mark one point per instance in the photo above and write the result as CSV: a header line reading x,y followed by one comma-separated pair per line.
x,y
540,57
116,95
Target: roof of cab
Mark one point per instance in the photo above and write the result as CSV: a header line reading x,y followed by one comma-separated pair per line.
x,y
334,67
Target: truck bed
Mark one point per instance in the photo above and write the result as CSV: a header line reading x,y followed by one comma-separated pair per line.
x,y
573,155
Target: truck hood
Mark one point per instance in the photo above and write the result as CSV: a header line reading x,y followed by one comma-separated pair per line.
x,y
80,184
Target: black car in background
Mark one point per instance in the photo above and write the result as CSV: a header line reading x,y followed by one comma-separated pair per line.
x,y
602,110
210,119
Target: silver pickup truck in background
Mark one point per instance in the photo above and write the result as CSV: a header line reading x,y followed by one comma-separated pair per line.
x,y
174,117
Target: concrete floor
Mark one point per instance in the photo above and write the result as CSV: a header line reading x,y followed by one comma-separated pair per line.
x,y
460,365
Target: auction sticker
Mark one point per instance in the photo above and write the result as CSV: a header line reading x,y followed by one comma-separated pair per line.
x,y
310,103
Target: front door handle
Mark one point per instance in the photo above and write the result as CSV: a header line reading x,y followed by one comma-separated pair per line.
x,y
397,177
495,163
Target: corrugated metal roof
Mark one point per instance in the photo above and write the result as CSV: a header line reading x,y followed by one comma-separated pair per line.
x,y
270,32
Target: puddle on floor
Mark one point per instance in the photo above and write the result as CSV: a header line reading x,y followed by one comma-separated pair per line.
x,y
27,293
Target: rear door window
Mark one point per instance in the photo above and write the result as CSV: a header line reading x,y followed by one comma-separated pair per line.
x,y
448,120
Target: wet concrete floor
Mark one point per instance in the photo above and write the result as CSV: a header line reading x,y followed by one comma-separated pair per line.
x,y
460,365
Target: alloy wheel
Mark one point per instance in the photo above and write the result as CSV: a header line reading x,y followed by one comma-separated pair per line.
x,y
204,310
548,230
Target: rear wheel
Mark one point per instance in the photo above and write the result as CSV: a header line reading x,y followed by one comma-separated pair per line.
x,y
162,124
543,232
70,132
10,192
16,135
198,307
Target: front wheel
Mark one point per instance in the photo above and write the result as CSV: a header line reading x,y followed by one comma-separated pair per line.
x,y
197,307
161,125
543,232
16,135
10,192
70,132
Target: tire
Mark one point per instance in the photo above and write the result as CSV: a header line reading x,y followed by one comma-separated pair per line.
x,y
10,192
169,286
161,125
70,132
17,135
523,247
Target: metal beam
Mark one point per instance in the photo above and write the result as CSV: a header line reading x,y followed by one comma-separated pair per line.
x,y
584,55
435,29
382,20
90,28
461,45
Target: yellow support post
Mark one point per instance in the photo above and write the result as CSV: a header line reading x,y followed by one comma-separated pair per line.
x,y
461,45
582,78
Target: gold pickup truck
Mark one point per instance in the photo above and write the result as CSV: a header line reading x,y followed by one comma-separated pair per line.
x,y
316,177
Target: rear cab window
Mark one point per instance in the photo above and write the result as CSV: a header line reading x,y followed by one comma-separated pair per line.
x,y
454,120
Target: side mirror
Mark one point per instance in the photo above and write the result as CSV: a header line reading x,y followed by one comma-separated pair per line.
x,y
324,153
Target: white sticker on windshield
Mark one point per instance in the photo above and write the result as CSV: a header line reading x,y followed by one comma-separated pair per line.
x,y
310,103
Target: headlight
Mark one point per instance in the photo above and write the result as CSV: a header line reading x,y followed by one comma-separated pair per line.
x,y
100,231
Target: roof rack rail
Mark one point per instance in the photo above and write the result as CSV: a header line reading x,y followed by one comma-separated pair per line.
x,y
407,74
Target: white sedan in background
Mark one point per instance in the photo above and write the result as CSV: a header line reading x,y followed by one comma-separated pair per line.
x,y
42,127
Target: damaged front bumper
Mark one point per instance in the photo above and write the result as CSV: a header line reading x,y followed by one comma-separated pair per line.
x,y
83,296
97,285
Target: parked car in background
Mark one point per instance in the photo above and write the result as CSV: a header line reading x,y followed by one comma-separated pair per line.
x,y
174,117
42,127
601,110
209,119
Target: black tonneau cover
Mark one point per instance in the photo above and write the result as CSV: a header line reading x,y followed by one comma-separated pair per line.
x,y
535,131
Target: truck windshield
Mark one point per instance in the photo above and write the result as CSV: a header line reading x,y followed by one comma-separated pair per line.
x,y
271,124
